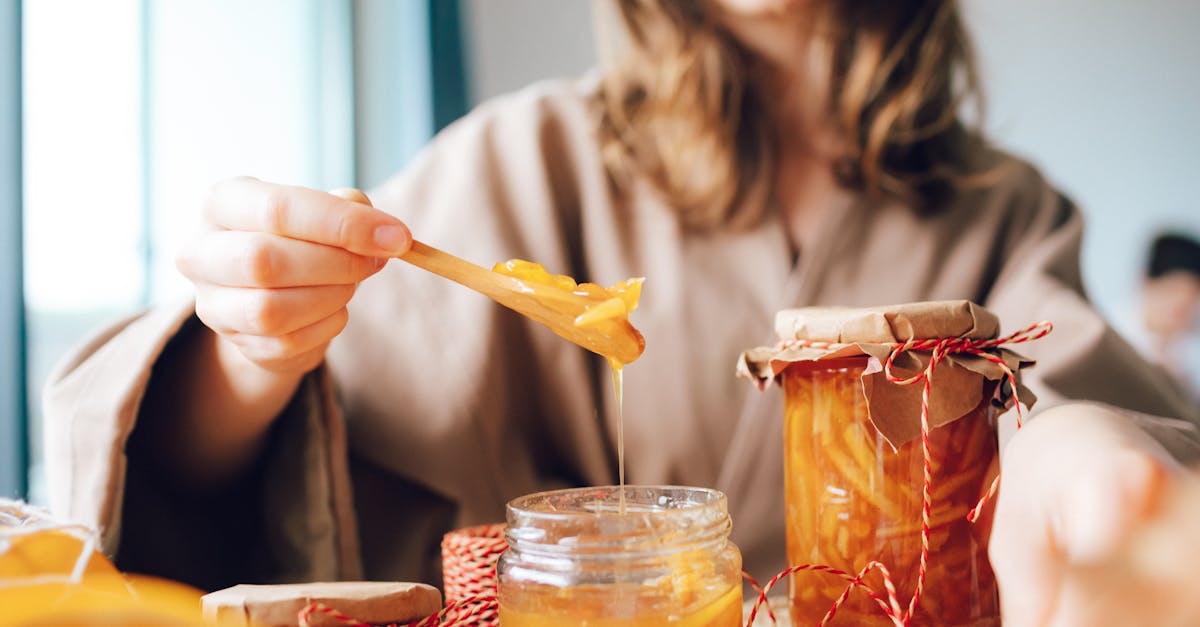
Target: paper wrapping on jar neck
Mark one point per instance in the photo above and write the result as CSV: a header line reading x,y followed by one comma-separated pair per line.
x,y
959,382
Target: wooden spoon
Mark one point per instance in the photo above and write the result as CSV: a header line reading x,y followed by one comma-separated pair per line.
x,y
553,307
615,338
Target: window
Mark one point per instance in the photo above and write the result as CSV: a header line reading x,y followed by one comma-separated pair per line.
x,y
13,450
133,108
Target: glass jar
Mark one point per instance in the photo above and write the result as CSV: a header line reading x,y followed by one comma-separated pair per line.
x,y
852,499
575,559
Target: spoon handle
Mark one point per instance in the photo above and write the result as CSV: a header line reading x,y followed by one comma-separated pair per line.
x,y
451,267
508,291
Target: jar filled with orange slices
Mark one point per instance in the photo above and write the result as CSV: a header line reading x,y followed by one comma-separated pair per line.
x,y
575,559
854,462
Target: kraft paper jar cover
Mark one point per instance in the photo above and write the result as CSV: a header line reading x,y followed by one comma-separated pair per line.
x,y
874,332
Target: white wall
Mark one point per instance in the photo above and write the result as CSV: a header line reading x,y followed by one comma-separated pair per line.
x,y
1103,95
512,43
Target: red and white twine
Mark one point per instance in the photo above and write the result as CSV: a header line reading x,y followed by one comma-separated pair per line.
x,y
469,561
938,350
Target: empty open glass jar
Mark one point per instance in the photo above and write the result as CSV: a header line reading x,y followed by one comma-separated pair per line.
x,y
574,559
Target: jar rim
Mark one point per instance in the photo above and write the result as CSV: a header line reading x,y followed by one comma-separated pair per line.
x,y
581,521
522,504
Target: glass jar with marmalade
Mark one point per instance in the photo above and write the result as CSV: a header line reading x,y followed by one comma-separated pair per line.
x,y
575,559
854,465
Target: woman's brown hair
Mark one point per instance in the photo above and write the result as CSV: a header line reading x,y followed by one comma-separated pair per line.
x,y
681,108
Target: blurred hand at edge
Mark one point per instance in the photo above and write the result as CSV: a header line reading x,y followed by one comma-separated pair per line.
x,y
1095,525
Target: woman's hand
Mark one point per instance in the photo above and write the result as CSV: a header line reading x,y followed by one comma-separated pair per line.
x,y
1082,490
277,265
273,272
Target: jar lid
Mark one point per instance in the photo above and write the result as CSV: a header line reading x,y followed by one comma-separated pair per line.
x,y
888,324
814,334
374,602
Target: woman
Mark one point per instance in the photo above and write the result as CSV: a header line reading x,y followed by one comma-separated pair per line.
x,y
318,413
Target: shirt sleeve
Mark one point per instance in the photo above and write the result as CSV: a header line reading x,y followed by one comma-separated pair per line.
x,y
99,474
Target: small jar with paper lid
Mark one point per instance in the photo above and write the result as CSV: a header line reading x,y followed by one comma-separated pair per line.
x,y
855,458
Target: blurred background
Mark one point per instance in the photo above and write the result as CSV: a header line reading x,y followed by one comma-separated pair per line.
x,y
115,117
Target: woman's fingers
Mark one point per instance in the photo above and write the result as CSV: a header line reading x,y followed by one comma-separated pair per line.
x,y
291,350
352,194
1022,545
1076,482
268,312
1098,511
250,259
275,271
247,204
1168,546
1148,578
301,362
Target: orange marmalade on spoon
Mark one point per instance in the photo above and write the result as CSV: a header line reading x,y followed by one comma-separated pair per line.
x,y
606,310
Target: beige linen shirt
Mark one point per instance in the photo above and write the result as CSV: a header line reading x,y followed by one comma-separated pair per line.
x,y
436,406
